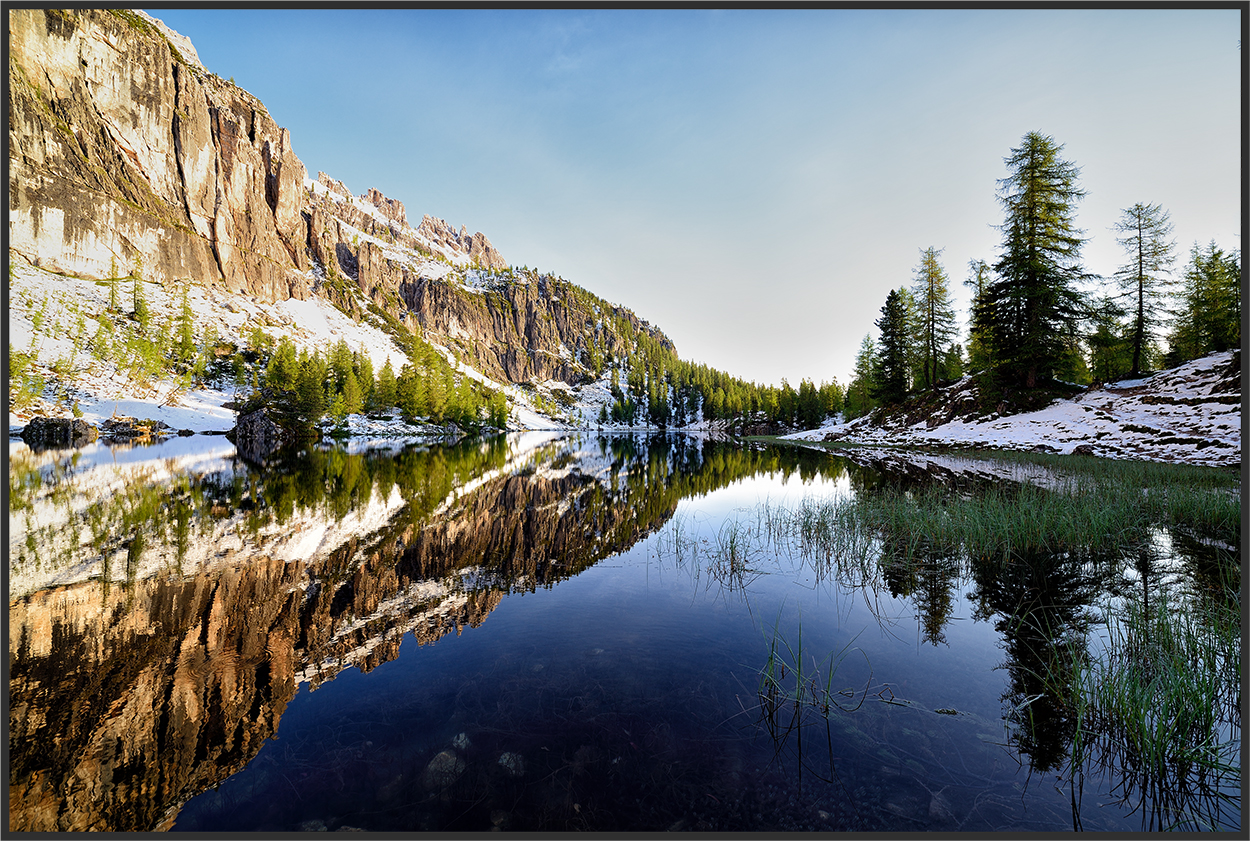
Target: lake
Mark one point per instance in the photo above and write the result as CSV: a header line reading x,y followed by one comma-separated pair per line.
x,y
545,632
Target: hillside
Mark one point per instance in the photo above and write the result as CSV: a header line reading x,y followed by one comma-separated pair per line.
x,y
1190,414
131,161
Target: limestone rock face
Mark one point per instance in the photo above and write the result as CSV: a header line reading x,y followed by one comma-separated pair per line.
x,y
478,247
126,156
394,210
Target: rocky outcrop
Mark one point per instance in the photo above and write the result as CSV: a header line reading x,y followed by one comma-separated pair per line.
x,y
538,329
49,433
477,246
128,157
256,436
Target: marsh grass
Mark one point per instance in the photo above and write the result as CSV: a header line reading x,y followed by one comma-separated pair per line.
x,y
787,683
1156,699
1099,507
1159,706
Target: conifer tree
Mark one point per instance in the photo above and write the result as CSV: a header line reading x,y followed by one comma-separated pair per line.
x,y
1210,311
980,357
186,330
141,312
384,390
1032,304
935,314
1143,278
859,394
891,385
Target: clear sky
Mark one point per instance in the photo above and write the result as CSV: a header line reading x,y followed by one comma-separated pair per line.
x,y
753,182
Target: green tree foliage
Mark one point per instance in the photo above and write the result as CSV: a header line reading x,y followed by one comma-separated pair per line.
x,y
1109,354
142,314
1143,279
185,349
384,390
891,384
1032,306
935,315
859,394
1209,317
283,369
980,350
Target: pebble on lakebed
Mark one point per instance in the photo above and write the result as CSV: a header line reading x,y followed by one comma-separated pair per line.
x,y
444,769
513,763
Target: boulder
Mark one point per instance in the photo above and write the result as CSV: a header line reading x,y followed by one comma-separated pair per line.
x,y
48,433
256,436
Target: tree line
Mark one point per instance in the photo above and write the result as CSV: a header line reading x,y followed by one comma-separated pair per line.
x,y
1038,319
301,387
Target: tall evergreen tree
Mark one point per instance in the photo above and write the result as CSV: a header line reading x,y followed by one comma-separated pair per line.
x,y
1032,305
859,394
934,313
384,390
892,350
1210,311
1143,279
980,355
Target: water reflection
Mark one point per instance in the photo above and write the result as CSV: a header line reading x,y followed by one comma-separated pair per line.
x,y
164,610
167,605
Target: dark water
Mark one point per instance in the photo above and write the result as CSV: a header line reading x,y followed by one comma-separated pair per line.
x,y
535,633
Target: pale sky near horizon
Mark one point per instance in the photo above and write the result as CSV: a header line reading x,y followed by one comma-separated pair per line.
x,y
753,182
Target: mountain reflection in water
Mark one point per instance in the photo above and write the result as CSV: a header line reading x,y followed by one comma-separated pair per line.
x,y
166,604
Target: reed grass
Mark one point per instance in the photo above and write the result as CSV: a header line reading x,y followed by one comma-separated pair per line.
x,y
1159,706
788,683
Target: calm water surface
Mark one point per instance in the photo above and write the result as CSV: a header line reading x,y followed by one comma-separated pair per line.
x,y
532,633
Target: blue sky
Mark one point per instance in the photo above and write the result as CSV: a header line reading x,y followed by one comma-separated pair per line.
x,y
753,182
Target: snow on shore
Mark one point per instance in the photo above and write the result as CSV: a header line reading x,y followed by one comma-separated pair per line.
x,y
1188,414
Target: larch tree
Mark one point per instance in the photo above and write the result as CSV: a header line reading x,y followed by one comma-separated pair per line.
x,y
1144,280
935,315
980,356
1032,304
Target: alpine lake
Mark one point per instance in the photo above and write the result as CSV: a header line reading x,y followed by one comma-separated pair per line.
x,y
550,632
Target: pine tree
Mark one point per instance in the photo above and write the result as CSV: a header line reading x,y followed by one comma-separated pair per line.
x,y
935,314
980,356
1143,279
141,312
891,385
1032,304
1210,312
859,394
186,330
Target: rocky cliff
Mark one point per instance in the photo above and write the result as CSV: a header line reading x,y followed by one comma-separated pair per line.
x,y
127,157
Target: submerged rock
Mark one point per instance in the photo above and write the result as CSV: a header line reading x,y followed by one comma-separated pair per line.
x,y
513,763
47,433
444,769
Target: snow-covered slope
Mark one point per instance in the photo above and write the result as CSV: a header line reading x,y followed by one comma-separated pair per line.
x,y
1190,414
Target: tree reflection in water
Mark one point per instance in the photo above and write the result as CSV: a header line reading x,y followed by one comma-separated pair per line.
x,y
167,644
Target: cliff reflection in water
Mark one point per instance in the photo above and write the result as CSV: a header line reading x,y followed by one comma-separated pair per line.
x,y
162,614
